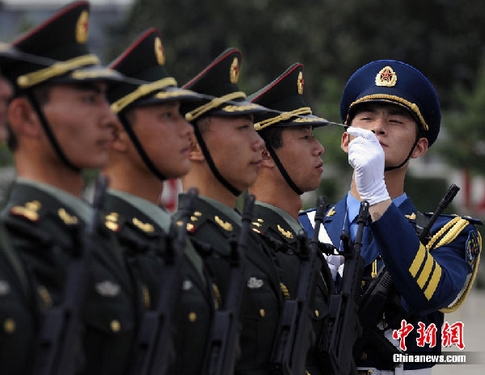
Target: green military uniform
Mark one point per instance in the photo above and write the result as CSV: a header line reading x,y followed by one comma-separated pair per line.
x,y
280,231
211,227
18,311
45,225
142,228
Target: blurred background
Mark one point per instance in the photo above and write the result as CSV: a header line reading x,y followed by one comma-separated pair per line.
x,y
445,39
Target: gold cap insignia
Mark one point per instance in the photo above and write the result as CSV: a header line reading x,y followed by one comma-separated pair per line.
x,y
234,71
285,233
66,218
223,224
300,83
30,210
82,27
145,227
386,77
159,51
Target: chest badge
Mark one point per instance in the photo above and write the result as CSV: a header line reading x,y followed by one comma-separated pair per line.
x,y
254,283
108,288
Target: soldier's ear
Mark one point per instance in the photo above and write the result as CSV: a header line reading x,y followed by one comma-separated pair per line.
x,y
344,143
195,153
121,139
23,119
267,161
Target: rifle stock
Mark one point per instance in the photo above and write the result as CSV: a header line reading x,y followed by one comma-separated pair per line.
x,y
343,327
295,334
59,349
223,348
154,350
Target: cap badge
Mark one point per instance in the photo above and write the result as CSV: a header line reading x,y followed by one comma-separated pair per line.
x,y
82,27
386,77
300,83
234,72
159,51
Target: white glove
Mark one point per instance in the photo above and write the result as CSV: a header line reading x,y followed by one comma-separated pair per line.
x,y
367,158
335,264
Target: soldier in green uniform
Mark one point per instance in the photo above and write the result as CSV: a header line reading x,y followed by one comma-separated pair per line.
x,y
226,157
291,166
152,144
18,306
60,123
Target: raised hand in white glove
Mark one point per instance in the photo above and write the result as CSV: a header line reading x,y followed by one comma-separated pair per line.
x,y
367,158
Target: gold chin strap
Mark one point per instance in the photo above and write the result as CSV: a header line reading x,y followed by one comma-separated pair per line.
x,y
57,69
214,103
141,91
285,116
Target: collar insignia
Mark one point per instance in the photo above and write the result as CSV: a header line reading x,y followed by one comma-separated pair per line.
x,y
66,218
111,221
300,83
411,217
234,71
285,233
386,77
82,27
223,224
254,283
331,212
145,227
29,210
107,288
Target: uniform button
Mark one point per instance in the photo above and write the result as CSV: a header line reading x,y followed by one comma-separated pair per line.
x,y
115,325
262,313
363,356
317,313
192,317
9,325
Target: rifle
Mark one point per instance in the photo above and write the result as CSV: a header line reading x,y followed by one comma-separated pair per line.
x,y
381,290
154,350
59,349
223,347
295,334
343,327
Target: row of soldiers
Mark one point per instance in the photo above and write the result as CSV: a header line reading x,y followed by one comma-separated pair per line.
x,y
120,286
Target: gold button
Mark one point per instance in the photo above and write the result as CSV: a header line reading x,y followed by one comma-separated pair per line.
x,y
115,325
9,325
317,313
262,313
192,317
